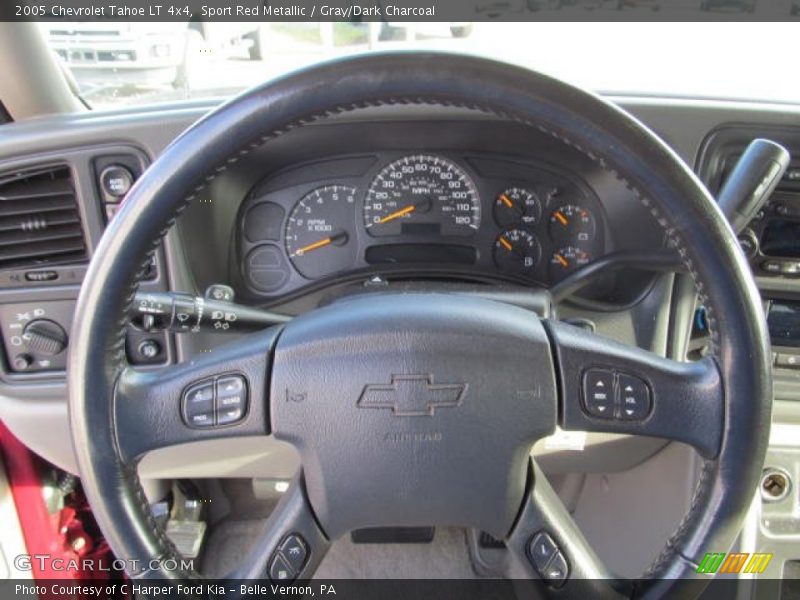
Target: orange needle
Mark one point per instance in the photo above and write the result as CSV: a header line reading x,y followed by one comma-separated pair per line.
x,y
314,246
506,244
564,262
560,216
398,214
507,201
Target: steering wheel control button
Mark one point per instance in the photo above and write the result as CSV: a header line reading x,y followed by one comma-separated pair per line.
x,y
198,405
281,570
116,181
608,394
634,398
547,559
229,415
541,550
231,399
556,572
294,551
598,393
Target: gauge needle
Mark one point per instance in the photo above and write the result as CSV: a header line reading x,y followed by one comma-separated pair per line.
x,y
320,244
397,214
564,262
561,218
507,201
506,244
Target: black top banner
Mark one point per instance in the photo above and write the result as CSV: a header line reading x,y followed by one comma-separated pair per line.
x,y
400,10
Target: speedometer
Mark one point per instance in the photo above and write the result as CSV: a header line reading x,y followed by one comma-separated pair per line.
x,y
422,194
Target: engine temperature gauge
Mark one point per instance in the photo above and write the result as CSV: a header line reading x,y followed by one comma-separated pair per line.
x,y
570,224
517,251
566,260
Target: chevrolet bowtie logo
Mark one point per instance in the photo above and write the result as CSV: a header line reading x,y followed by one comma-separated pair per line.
x,y
412,395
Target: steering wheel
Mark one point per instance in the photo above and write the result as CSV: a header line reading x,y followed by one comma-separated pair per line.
x,y
421,409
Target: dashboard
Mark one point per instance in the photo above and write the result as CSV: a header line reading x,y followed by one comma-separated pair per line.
x,y
473,216
440,180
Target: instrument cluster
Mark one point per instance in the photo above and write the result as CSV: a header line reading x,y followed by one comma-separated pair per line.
x,y
431,214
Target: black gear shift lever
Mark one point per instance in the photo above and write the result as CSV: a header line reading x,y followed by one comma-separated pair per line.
x,y
751,182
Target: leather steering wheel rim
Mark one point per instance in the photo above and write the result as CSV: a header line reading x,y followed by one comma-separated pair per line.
x,y
610,136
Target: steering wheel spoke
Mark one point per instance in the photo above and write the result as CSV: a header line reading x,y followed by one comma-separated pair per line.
x,y
219,394
548,547
606,386
291,545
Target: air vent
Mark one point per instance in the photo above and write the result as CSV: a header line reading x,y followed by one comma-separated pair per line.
x,y
39,219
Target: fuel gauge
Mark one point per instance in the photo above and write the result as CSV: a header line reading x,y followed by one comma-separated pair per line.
x,y
517,251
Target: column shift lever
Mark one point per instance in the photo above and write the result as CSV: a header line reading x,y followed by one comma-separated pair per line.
x,y
751,182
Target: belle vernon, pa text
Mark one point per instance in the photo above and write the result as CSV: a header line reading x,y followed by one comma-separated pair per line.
x,y
156,590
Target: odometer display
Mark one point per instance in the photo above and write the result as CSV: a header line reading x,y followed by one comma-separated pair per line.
x,y
422,194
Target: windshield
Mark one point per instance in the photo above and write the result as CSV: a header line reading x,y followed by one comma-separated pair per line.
x,y
135,63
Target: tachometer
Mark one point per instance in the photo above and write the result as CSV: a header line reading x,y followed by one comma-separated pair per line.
x,y
422,194
319,230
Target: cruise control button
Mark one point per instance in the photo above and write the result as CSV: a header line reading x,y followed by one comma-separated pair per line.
x,y
598,393
556,572
541,549
294,551
280,570
230,385
634,398
198,405
231,399
226,417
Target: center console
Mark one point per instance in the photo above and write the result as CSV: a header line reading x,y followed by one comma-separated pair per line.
x,y
771,242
